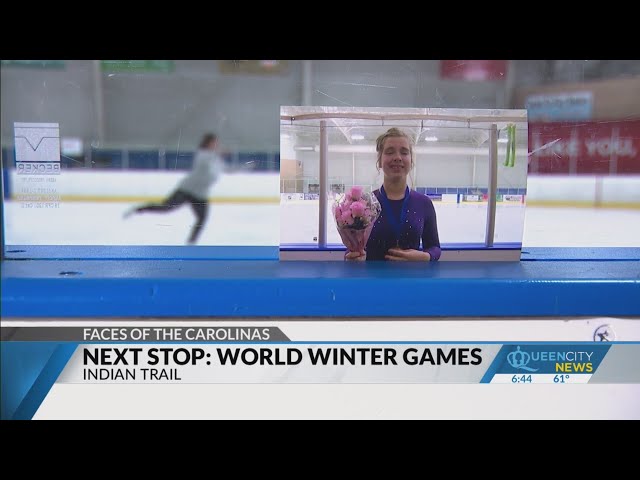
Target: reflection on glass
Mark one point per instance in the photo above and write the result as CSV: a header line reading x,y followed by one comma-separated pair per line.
x,y
137,124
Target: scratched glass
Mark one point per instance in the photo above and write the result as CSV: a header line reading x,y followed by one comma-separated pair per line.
x,y
85,141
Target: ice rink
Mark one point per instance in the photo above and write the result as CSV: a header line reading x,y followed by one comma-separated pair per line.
x,y
534,226
102,223
581,227
457,223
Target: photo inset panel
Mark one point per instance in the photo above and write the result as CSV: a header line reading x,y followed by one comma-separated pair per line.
x,y
402,184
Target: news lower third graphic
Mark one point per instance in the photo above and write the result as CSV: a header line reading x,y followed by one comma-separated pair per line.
x,y
36,358
546,363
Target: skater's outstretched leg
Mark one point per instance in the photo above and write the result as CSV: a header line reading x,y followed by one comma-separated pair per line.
x,y
173,201
200,208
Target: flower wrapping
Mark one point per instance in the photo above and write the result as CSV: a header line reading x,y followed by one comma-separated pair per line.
x,y
355,213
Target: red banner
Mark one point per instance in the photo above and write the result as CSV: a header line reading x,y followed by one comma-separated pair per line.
x,y
590,147
473,70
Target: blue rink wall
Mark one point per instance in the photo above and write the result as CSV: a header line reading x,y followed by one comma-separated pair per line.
x,y
546,283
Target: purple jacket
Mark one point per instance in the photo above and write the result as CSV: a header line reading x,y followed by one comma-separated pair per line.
x,y
420,225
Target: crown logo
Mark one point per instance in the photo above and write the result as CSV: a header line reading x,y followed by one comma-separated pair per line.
x,y
520,360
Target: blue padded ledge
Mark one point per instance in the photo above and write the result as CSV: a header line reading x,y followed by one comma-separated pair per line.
x,y
564,254
209,288
113,252
141,252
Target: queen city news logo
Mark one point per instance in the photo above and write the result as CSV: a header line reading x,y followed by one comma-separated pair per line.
x,y
541,359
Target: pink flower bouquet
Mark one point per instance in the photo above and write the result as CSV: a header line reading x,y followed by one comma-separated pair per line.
x,y
355,213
